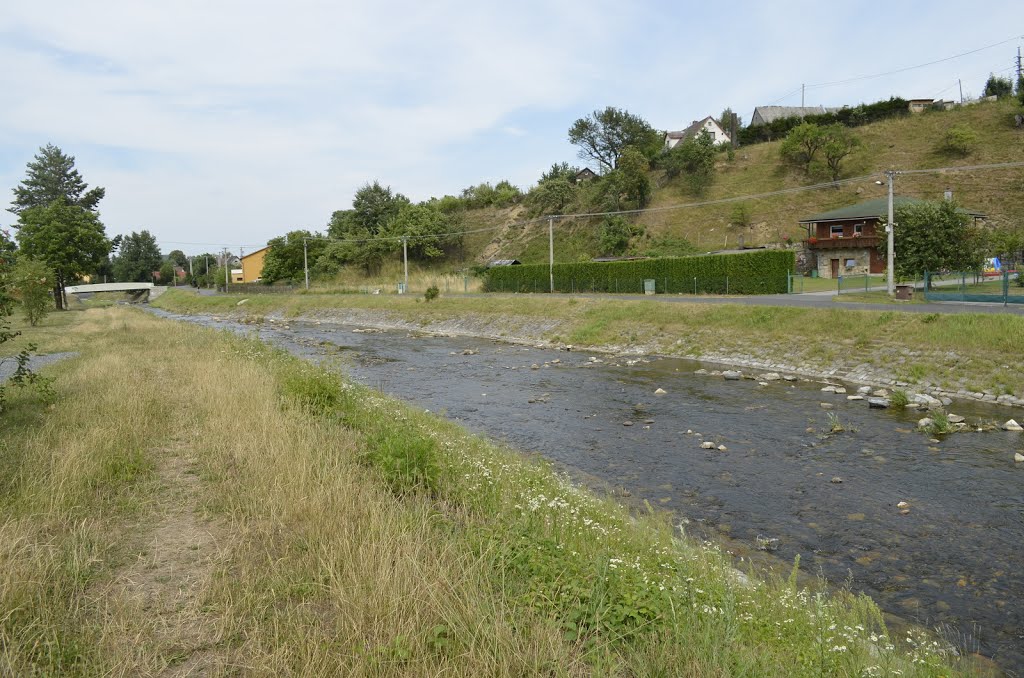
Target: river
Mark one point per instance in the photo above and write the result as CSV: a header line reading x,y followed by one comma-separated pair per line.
x,y
953,561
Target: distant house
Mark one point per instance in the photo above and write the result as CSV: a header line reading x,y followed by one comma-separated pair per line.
x,y
920,105
718,135
585,174
764,115
252,265
846,240
503,262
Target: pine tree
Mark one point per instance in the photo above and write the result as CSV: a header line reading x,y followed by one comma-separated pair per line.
x,y
52,175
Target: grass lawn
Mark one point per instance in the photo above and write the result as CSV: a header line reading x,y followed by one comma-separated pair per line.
x,y
194,502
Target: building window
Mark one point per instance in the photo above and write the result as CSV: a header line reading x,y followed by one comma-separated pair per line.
x,y
858,229
836,231
850,263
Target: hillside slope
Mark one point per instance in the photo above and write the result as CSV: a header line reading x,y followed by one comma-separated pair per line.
x,y
906,143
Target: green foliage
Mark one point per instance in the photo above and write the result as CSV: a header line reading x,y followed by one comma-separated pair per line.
x,y
998,87
33,282
552,196
740,215
286,257
761,272
726,120
431,293
406,459
502,194
958,141
636,186
604,135
204,270
178,258
854,116
138,257
802,144
615,234
313,389
560,170
69,238
1020,89
934,236
839,143
1006,241
430,231
166,273
52,176
899,399
694,159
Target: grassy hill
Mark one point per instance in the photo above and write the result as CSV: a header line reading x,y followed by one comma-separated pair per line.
x,y
910,142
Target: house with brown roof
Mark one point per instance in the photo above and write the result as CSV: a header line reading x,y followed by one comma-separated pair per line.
x,y
847,241
718,135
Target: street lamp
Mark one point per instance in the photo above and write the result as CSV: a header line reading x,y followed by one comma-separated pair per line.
x,y
889,286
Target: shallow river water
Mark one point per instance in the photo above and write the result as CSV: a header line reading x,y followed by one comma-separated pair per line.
x,y
955,561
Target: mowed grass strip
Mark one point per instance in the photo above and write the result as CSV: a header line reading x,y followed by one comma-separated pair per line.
x,y
358,536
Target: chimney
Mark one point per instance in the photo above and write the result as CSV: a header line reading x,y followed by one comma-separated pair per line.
x,y
948,194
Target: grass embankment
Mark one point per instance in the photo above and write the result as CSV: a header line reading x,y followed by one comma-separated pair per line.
x,y
947,351
199,502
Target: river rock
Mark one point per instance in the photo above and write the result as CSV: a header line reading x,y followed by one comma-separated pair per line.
x,y
660,391
828,389
627,423
836,480
1012,425
827,406
840,390
700,371
732,375
902,505
925,422
770,376
722,448
926,400
864,390
707,445
955,418
878,403
535,366
789,377
1018,457
855,397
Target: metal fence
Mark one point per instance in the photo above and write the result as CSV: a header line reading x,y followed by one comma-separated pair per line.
x,y
1000,288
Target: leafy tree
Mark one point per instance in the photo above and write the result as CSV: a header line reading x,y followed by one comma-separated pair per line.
x,y
693,158
1007,243
138,258
726,121
32,281
996,86
166,273
285,257
740,215
840,142
51,176
178,258
636,186
501,194
615,234
932,236
560,170
553,195
203,269
604,135
802,144
429,231
958,141
69,238
374,206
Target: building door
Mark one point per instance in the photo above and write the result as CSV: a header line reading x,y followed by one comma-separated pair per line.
x,y
835,269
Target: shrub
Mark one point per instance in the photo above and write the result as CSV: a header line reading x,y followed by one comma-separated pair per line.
x,y
761,272
959,140
899,399
431,293
32,282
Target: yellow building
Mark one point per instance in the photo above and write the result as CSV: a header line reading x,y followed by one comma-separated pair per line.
x,y
252,265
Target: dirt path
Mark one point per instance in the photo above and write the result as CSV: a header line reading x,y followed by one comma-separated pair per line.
x,y
162,590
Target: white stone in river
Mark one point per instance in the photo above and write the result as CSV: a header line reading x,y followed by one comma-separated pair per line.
x,y
903,505
1018,457
722,448
1012,425
855,397
707,445
660,391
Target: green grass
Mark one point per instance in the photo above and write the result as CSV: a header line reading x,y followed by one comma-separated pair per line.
x,y
357,536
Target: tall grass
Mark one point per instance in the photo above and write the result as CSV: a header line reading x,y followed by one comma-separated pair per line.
x,y
358,536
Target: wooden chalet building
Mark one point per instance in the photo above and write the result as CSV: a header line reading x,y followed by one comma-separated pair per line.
x,y
850,240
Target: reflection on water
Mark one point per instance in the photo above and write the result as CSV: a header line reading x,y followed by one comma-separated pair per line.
x,y
954,559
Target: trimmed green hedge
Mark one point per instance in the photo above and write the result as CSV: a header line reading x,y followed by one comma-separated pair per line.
x,y
760,272
854,116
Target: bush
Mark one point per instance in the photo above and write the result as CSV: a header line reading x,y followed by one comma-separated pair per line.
x,y
33,281
431,293
849,117
761,272
959,140
615,235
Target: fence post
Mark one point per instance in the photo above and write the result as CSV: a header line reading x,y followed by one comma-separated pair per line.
x,y
694,285
1006,286
727,284
867,277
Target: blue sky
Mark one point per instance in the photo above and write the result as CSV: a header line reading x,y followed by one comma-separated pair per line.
x,y
231,122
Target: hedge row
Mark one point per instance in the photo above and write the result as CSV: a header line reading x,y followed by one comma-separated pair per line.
x,y
760,272
851,117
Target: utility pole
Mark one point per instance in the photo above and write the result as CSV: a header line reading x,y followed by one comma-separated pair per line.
x,y
890,228
551,252
305,260
207,257
405,261
1020,69
961,85
227,270
802,86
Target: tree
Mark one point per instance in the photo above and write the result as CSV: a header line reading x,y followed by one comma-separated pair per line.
x,y
958,141
560,170
178,258
693,158
429,231
740,215
931,237
604,135
203,270
51,175
69,238
285,257
997,86
839,143
32,281
374,206
615,234
138,258
1007,243
802,144
166,273
636,186
731,123
553,195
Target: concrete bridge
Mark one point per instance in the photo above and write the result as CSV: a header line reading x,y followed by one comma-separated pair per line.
x,y
152,290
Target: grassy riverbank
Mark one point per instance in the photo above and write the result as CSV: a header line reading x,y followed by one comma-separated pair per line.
x,y
968,352
201,502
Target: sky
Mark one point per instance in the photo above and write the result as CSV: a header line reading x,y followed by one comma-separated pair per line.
x,y
225,123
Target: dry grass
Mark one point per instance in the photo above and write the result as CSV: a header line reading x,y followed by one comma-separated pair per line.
x,y
270,519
